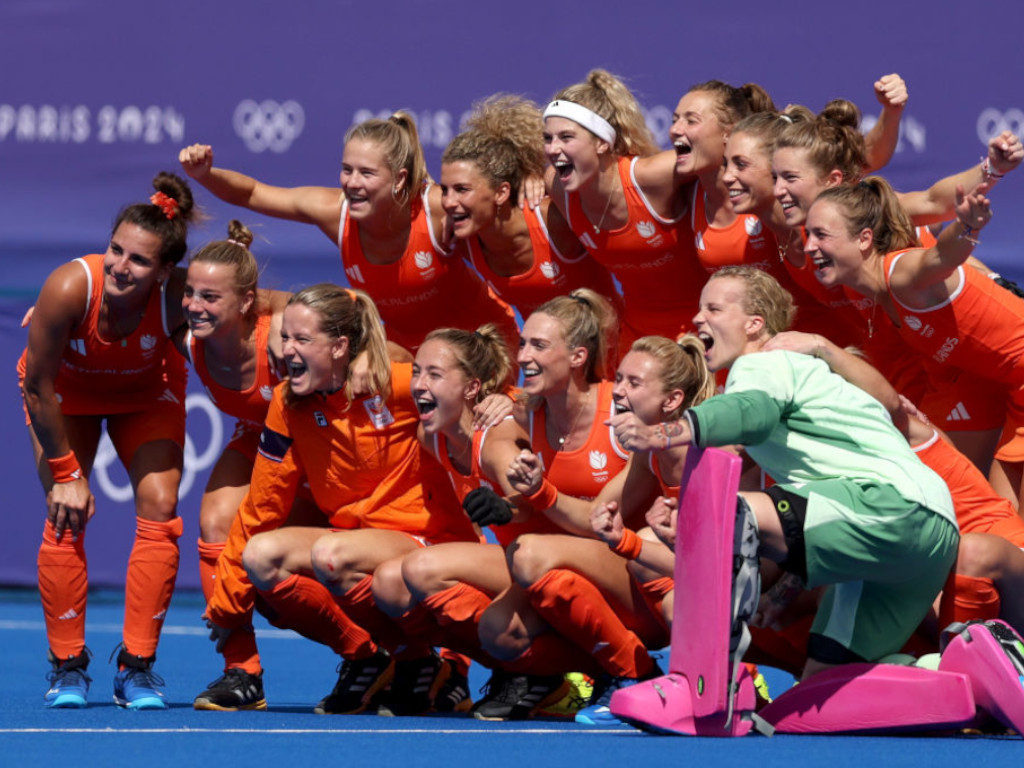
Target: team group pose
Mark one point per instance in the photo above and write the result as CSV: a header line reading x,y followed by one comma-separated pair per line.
x,y
473,454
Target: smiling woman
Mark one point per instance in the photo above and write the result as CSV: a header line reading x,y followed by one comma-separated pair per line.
x,y
388,223
98,351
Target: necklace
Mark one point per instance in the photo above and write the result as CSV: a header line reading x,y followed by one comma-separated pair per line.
x,y
607,205
583,406
458,457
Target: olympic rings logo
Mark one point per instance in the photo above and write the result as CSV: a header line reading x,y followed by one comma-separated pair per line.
x,y
992,122
268,125
195,463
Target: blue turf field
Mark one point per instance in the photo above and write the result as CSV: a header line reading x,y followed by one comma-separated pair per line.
x,y
298,673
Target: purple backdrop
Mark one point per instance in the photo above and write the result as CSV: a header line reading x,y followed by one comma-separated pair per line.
x,y
97,97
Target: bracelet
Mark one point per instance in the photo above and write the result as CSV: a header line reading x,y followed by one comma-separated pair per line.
x,y
629,545
986,168
968,234
544,497
65,468
665,435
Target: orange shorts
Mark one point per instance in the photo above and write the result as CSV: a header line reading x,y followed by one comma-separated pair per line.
x,y
965,403
1011,442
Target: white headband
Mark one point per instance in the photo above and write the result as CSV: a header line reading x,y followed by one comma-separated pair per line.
x,y
592,121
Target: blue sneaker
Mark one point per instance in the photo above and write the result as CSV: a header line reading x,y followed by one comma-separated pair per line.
x,y
136,685
69,683
599,712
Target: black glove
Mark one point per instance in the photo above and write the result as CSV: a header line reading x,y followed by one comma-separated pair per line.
x,y
485,507
1009,285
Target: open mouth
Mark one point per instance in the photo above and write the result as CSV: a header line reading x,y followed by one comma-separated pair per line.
x,y
296,369
564,169
706,340
822,262
530,373
621,406
682,148
425,406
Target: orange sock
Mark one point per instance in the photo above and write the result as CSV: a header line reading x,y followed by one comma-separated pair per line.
x,y
152,569
459,661
457,611
578,611
359,605
654,593
551,654
306,606
965,598
208,554
63,586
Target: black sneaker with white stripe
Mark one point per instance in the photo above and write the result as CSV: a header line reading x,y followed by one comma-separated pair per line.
x,y
234,690
518,697
414,687
359,681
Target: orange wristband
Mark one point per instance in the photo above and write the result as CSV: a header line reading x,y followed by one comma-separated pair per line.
x,y
65,468
545,497
629,545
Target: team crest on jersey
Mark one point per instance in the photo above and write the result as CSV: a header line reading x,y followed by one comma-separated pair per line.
x,y
645,228
914,323
267,392
423,259
147,342
599,465
321,420
378,412
549,269
753,225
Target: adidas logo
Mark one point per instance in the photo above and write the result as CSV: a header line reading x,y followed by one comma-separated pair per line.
x,y
78,345
959,413
160,616
355,274
169,397
71,614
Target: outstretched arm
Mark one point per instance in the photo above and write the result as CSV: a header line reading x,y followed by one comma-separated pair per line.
x,y
320,206
881,140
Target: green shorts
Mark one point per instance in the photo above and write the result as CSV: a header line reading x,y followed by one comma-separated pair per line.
x,y
883,558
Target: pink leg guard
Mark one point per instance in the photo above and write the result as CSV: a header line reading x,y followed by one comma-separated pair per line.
x,y
863,698
695,697
991,655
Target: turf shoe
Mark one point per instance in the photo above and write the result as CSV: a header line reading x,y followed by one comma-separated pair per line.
x,y
454,694
234,690
518,697
359,680
599,712
136,685
415,686
581,689
69,682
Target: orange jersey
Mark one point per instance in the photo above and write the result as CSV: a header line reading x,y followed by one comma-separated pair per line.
x,y
426,282
667,489
365,469
583,472
744,242
652,258
979,509
979,328
98,376
550,275
247,405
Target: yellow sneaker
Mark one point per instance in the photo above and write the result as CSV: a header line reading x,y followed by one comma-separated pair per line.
x,y
576,698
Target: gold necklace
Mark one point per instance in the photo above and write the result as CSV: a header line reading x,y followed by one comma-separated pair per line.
x,y
607,205
583,406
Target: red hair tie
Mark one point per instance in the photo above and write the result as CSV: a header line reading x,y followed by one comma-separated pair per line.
x,y
166,204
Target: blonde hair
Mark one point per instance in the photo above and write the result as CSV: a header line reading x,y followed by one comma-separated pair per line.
x,y
767,126
732,103
832,140
234,252
481,354
503,139
873,204
589,321
763,297
399,141
606,95
352,314
682,367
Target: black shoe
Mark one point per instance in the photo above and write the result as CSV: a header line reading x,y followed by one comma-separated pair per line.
x,y
518,697
414,687
454,694
234,690
358,682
